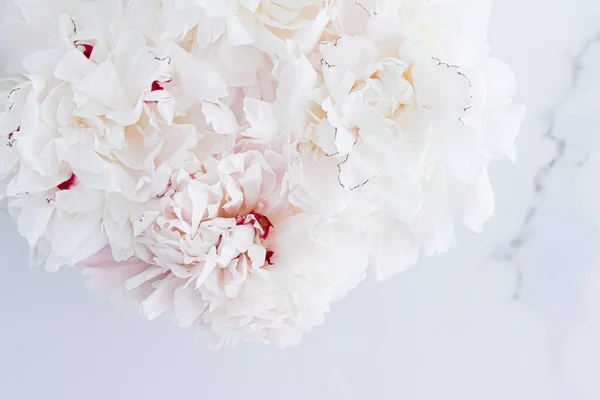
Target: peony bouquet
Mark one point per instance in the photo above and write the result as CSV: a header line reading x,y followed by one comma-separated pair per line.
x,y
240,164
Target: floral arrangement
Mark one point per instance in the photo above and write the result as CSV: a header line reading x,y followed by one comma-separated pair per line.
x,y
240,164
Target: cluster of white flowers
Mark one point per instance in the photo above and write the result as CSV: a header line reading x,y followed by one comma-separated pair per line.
x,y
243,163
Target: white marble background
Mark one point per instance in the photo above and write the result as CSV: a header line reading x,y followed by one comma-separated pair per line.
x,y
513,314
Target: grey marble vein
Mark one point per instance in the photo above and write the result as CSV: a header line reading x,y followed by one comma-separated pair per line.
x,y
546,170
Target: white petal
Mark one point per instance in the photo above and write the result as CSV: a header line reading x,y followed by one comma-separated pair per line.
x,y
144,276
197,78
220,117
396,251
161,299
188,306
259,115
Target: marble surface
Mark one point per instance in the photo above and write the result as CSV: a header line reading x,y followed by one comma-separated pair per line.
x,y
513,313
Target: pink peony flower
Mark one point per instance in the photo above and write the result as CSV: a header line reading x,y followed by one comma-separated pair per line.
x,y
226,253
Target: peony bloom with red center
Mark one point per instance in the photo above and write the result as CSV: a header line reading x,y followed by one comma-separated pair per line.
x,y
226,251
260,222
210,232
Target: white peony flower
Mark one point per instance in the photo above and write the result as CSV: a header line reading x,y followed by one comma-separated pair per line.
x,y
452,30
315,262
265,22
98,107
406,129
227,254
240,163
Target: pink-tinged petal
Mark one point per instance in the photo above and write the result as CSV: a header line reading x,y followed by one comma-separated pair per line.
x,y
103,272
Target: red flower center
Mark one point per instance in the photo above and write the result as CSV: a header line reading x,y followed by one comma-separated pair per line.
x,y
11,137
264,224
12,134
156,86
85,48
69,183
269,257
